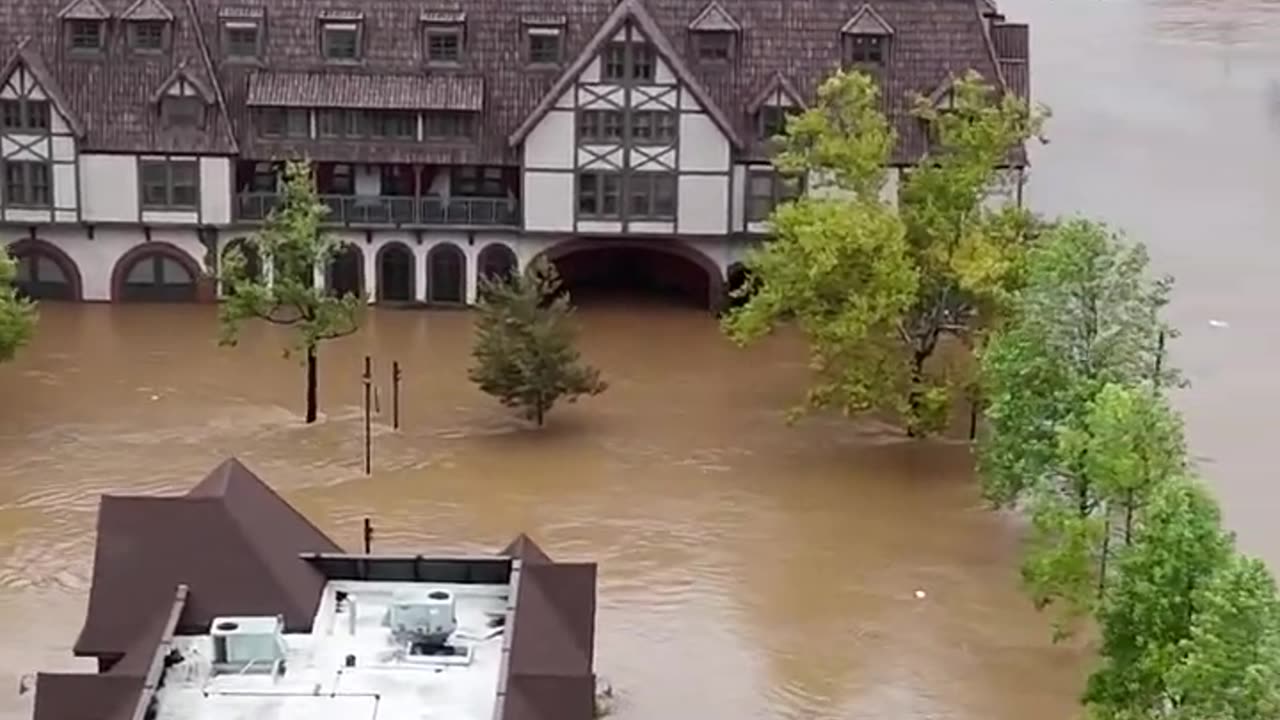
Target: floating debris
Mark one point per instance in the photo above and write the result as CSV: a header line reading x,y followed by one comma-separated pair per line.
x,y
920,595
1219,324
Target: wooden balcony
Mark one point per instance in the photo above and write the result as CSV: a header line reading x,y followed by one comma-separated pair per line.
x,y
394,211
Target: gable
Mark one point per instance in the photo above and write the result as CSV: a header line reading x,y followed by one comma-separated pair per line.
x,y
867,22
147,10
714,18
778,92
625,12
25,75
84,10
182,83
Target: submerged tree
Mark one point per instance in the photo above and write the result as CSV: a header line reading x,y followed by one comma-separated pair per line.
x,y
1190,629
1076,431
17,315
290,248
875,290
524,348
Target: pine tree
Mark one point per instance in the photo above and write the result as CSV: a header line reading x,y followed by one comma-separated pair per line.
x,y
524,348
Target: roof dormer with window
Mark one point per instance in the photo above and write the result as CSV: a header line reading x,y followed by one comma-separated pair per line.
x,y
770,108
444,38
714,35
148,26
544,37
866,40
342,36
84,28
183,100
242,34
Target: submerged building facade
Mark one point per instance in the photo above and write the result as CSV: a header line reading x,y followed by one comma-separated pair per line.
x,y
226,602
449,138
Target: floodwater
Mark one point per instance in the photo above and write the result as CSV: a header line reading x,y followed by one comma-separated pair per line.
x,y
748,570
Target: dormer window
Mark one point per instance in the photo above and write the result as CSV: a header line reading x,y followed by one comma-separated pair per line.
x,y
443,37
545,46
865,39
182,112
147,36
341,36
240,40
713,47
85,36
714,33
771,121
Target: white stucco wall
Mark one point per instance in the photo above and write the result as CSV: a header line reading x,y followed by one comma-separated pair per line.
x,y
703,147
215,190
548,201
551,143
110,188
703,204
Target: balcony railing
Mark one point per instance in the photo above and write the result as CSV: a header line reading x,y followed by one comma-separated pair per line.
x,y
390,210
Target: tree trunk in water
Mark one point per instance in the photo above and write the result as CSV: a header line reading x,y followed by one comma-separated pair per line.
x,y
1102,562
311,385
539,412
917,380
974,404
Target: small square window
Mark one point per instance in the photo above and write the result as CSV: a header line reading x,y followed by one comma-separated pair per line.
x,y
544,46
341,41
444,45
865,49
147,35
240,40
84,36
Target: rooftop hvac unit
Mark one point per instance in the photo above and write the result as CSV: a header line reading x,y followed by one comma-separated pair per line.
x,y
424,619
247,644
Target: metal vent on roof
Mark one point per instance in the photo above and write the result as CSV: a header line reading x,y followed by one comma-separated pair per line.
x,y
248,645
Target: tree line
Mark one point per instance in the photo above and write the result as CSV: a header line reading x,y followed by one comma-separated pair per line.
x,y
1051,330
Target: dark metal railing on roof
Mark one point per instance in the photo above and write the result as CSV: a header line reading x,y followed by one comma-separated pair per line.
x,y
487,570
394,210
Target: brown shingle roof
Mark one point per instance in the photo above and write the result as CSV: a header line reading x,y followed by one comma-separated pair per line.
x,y
25,56
389,92
147,10
232,540
624,11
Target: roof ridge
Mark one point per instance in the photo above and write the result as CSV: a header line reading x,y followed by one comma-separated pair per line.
x,y
211,70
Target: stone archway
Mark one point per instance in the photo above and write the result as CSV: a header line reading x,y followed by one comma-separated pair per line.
x,y
395,273
156,272
45,272
446,275
345,273
675,268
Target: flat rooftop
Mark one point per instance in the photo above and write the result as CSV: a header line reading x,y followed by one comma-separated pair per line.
x,y
351,666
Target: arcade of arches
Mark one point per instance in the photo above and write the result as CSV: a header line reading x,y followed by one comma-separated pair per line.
x,y
397,273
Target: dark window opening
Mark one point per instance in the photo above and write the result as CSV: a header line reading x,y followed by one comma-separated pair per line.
x,y
544,46
653,127
27,184
599,195
240,40
478,181
395,273
284,123
85,36
629,61
182,112
603,126
766,190
341,41
169,184
396,180
345,274
771,121
147,35
865,49
652,196
368,124
497,262
446,266
444,45
335,179
159,278
42,277
25,115
263,178
449,125
713,46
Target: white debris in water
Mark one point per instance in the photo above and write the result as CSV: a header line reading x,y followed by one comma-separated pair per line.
x,y
919,594
1219,324
155,397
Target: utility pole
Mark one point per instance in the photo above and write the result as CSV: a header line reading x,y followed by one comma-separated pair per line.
x,y
368,388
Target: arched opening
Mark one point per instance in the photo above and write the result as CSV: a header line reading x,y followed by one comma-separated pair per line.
x,y
345,274
395,273
44,272
628,271
497,261
446,275
737,278
252,262
156,272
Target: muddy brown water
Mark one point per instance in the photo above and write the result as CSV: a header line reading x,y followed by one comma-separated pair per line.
x,y
748,570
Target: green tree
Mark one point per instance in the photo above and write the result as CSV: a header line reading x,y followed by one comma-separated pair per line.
x,y
874,291
288,250
524,348
1190,629
17,315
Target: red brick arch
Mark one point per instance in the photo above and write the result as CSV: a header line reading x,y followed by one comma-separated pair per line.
x,y
677,248
148,249
35,246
